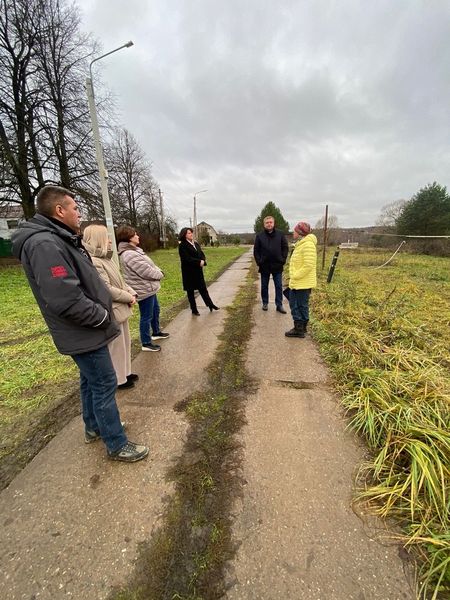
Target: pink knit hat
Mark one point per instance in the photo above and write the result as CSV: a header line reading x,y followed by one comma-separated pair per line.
x,y
302,228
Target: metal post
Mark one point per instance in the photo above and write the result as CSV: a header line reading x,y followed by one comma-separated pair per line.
x,y
325,232
103,174
333,266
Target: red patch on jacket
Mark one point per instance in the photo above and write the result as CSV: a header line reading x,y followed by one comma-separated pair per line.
x,y
59,271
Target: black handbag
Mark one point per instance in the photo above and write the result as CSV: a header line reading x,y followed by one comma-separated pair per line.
x,y
286,292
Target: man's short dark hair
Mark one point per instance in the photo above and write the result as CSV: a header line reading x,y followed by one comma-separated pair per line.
x,y
125,233
49,197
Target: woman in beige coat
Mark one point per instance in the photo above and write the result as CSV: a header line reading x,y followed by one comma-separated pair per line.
x,y
98,244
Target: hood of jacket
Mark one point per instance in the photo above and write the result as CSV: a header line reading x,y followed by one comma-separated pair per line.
x,y
123,246
38,224
98,252
310,238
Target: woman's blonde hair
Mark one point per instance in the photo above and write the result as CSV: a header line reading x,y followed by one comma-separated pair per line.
x,y
96,237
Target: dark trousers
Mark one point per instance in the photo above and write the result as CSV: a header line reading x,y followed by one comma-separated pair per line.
x,y
299,304
203,293
278,282
149,317
98,384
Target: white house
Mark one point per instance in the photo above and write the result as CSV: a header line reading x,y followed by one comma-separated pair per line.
x,y
10,217
206,233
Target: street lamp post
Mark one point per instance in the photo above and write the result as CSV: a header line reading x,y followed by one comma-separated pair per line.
x,y
103,174
195,211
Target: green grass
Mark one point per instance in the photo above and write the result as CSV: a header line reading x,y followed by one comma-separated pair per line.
x,y
19,314
385,333
32,372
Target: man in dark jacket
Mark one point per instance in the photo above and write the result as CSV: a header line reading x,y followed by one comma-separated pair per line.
x,y
270,252
77,308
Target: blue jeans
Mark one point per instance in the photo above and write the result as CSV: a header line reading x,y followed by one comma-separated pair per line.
x,y
98,384
149,311
299,304
278,282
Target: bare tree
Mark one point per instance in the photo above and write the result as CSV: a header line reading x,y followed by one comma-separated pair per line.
x,y
44,120
45,131
19,99
133,190
390,213
62,57
150,217
332,227
129,176
171,228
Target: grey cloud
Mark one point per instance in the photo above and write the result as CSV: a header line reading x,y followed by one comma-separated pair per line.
x,y
303,103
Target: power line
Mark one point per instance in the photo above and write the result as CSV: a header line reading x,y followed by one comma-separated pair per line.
x,y
408,236
170,177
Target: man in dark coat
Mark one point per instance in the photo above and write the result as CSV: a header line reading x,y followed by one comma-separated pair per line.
x,y
270,252
77,308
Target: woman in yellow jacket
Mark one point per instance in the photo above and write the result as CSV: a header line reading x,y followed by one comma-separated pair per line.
x,y
302,277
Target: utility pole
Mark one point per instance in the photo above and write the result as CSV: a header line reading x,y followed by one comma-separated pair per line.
x,y
103,173
195,212
163,225
194,220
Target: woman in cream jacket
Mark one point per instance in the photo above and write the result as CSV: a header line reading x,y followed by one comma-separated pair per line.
x,y
302,277
145,277
98,244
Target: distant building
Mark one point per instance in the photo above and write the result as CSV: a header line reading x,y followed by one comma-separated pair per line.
x,y
10,217
348,245
206,234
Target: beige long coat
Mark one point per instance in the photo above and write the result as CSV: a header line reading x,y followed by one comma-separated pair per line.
x,y
121,293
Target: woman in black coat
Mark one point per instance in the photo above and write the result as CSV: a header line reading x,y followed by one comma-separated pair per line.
x,y
192,262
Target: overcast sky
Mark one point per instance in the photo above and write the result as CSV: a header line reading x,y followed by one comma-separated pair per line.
x,y
301,102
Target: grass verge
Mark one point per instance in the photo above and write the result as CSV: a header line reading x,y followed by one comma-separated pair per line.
x,y
185,558
386,336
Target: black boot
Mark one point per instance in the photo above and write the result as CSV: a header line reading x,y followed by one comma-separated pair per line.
x,y
297,331
207,299
192,303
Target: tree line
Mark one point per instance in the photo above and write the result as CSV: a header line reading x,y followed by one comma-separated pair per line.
x,y
426,213
45,129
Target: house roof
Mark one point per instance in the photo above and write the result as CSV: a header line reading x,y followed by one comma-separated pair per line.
x,y
205,224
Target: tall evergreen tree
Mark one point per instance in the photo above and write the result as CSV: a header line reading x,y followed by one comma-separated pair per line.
x,y
270,209
427,213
